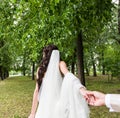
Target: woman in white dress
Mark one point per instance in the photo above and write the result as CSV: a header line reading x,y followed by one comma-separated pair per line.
x,y
58,93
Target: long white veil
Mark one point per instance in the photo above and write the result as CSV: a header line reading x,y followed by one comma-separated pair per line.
x,y
60,99
50,88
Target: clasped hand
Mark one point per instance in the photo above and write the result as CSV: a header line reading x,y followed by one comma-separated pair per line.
x,y
93,98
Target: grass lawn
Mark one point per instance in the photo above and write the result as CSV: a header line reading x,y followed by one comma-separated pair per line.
x,y
16,96
101,83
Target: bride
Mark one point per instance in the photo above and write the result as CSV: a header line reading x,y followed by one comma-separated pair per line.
x,y
58,93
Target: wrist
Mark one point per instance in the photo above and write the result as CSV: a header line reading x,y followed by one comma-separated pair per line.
x,y
102,99
82,88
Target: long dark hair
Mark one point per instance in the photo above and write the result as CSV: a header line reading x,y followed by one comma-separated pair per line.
x,y
47,50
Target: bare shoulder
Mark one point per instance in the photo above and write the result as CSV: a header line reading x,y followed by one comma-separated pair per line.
x,y
62,63
63,67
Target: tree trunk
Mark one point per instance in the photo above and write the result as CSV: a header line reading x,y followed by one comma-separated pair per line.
x,y
94,69
73,67
33,70
80,58
23,66
7,73
1,73
103,69
1,67
86,68
119,20
103,65
73,63
87,71
93,64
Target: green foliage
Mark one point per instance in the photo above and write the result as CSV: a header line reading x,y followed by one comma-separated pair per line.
x,y
27,26
6,20
113,64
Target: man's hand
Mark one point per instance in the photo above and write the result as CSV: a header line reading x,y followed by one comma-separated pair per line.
x,y
99,98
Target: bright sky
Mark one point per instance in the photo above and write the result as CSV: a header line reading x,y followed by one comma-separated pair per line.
x,y
116,1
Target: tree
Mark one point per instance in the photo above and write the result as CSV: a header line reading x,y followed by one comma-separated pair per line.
x,y
64,23
119,18
5,36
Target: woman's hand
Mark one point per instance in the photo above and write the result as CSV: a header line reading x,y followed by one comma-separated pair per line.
x,y
86,94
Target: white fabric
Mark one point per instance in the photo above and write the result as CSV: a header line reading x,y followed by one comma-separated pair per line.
x,y
75,79
59,99
71,103
107,102
51,85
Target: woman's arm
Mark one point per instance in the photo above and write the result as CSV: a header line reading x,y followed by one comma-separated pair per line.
x,y
63,68
65,71
34,103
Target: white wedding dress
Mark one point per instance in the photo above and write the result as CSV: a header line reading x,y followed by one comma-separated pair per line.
x,y
60,97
